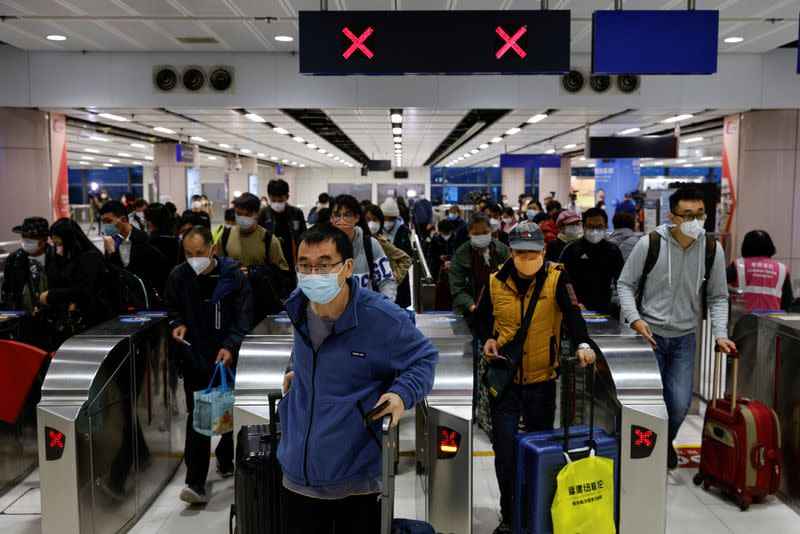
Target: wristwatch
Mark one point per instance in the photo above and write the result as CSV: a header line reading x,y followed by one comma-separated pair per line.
x,y
584,346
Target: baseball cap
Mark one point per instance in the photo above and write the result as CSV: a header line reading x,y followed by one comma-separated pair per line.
x,y
35,226
526,236
568,217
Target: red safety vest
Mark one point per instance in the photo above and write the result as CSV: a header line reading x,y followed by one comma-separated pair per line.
x,y
762,281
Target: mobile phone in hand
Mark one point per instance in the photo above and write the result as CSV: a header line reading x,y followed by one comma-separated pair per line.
x,y
373,412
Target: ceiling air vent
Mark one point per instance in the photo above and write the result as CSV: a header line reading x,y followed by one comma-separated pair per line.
x,y
197,40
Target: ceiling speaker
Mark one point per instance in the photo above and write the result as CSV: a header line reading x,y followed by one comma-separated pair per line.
x,y
628,83
193,79
573,81
165,78
600,84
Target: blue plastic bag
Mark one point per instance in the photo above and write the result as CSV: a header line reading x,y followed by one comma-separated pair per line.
x,y
213,407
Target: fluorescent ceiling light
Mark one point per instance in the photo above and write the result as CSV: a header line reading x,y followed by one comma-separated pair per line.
x,y
550,151
107,165
255,117
91,150
112,160
707,158
398,145
149,158
224,145
397,118
138,145
273,158
657,163
693,140
322,151
56,38
284,38
460,158
591,165
294,163
245,151
197,138
284,161
311,145
630,131
329,154
136,162
123,154
496,139
260,154
98,138
212,158
677,118
90,158
84,163
734,40
689,165
582,158
496,165
113,117
571,145
302,165
474,151
680,161
513,131
163,130
397,131
337,158
467,155
537,118
278,129
298,139
484,146
398,139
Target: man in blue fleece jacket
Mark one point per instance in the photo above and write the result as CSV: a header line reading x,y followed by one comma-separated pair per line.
x,y
354,349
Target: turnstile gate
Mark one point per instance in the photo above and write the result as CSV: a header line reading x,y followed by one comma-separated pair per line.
x,y
111,426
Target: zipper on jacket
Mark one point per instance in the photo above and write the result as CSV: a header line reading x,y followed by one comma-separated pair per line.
x,y
313,397
521,320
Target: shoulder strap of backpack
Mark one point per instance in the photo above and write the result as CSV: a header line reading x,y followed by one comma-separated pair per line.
x,y
226,235
370,258
653,250
711,254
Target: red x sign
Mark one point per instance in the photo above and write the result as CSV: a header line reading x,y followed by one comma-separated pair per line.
x,y
56,439
511,42
643,438
358,42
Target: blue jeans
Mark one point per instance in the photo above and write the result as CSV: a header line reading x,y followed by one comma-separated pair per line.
x,y
675,356
537,405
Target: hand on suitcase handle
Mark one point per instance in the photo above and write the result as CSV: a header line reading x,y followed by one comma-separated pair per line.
x,y
727,346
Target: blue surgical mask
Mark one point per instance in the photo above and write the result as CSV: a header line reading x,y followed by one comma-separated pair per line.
x,y
320,288
110,229
531,214
452,216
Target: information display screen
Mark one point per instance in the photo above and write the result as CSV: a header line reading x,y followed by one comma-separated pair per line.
x,y
434,42
655,42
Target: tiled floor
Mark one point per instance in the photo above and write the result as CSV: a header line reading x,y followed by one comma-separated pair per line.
x,y
690,509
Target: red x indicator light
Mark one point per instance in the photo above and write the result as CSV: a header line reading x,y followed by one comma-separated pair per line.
x,y
643,438
54,443
511,42
449,442
643,442
358,43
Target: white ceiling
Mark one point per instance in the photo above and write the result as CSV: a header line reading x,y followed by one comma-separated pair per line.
x,y
370,129
96,25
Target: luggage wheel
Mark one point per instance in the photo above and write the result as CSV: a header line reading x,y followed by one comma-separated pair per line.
x,y
744,503
697,479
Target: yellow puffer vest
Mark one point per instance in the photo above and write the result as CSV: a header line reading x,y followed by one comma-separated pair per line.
x,y
540,352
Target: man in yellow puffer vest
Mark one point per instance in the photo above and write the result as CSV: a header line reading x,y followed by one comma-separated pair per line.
x,y
532,394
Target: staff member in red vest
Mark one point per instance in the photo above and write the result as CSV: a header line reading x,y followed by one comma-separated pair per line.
x,y
766,283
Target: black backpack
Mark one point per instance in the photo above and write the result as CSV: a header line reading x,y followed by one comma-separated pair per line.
x,y
652,257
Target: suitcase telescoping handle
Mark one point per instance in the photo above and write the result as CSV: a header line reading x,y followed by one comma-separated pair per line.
x,y
388,443
570,364
717,387
273,420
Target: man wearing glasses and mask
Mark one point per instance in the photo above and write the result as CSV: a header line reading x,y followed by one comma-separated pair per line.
x,y
357,357
668,280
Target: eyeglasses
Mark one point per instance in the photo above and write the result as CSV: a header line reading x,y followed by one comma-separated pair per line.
x,y
342,216
322,268
691,216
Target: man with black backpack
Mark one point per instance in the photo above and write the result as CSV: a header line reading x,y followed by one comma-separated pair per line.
x,y
259,252
669,278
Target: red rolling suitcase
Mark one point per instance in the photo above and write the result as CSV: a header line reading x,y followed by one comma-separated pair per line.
x,y
741,452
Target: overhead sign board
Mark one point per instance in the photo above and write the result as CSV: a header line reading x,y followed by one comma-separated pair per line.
x,y
530,161
434,42
655,42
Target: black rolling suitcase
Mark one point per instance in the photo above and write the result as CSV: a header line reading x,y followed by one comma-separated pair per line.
x,y
390,525
258,478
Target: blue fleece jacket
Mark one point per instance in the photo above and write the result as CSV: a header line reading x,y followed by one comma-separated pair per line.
x,y
374,348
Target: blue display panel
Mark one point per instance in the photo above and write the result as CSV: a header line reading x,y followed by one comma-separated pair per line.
x,y
530,161
655,42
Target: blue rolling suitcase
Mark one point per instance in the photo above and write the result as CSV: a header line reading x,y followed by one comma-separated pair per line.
x,y
540,457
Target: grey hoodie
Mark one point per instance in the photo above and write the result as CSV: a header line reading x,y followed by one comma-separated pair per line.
x,y
387,285
672,303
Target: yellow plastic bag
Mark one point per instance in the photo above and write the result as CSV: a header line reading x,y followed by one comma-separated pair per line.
x,y
584,501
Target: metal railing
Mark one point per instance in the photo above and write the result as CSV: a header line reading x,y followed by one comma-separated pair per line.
x,y
419,272
704,364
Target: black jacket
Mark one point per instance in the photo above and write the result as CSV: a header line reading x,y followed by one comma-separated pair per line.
x,y
146,262
223,322
17,275
170,247
287,226
81,281
402,240
440,247
592,269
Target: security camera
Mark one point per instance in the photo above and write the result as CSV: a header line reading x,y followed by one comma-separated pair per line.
x,y
237,165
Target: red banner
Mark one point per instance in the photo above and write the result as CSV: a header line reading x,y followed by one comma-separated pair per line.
x,y
58,165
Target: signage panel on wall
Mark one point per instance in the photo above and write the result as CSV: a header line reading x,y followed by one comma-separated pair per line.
x,y
434,42
655,42
530,161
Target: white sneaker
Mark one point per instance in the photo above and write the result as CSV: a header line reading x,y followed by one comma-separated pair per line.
x,y
192,496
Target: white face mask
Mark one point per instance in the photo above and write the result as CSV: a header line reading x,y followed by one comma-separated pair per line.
x,y
196,205
495,224
693,229
573,230
594,236
388,225
278,206
30,245
199,265
480,241
507,220
245,222
446,237
374,226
